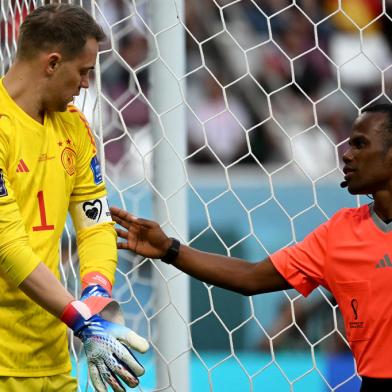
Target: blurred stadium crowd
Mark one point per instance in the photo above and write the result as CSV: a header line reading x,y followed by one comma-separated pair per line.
x,y
265,79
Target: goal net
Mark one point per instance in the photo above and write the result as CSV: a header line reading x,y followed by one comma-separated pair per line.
x,y
225,120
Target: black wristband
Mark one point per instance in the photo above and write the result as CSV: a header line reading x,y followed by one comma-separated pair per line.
x,y
172,252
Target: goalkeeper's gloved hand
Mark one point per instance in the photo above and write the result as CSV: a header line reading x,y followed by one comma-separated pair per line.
x,y
107,346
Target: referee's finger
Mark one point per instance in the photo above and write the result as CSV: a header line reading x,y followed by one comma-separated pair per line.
x,y
122,214
122,233
124,245
147,224
121,221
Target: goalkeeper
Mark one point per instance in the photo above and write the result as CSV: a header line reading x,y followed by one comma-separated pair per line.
x,y
48,166
350,255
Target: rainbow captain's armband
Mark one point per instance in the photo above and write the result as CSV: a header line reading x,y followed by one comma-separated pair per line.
x,y
90,212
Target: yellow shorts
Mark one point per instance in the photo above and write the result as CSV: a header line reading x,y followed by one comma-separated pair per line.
x,y
60,382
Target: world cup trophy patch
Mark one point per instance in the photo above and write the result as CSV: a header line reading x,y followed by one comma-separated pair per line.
x,y
3,189
68,159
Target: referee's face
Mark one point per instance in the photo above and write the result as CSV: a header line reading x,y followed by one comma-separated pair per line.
x,y
367,163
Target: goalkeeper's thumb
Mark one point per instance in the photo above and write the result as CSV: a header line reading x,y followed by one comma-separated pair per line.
x,y
129,338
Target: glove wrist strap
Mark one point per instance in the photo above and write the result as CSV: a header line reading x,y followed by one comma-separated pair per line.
x,y
75,314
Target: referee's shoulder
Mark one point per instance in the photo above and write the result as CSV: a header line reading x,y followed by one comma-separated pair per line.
x,y
351,214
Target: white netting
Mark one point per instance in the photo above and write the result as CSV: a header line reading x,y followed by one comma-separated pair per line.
x,y
264,96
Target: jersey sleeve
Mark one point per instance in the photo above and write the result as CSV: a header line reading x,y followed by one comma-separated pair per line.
x,y
89,182
96,243
17,258
302,265
97,250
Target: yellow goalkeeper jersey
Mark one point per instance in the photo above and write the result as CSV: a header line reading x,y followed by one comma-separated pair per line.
x,y
43,169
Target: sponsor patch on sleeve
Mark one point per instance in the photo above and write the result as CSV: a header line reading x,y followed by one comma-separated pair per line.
x,y
96,169
3,189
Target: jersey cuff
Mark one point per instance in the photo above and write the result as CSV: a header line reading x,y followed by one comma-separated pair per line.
x,y
96,278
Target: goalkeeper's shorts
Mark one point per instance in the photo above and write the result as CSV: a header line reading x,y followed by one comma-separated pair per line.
x,y
60,382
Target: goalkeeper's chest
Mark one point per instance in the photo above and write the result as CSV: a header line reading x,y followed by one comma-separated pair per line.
x,y
41,171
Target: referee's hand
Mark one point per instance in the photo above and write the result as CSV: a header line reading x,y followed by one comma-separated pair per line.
x,y
142,236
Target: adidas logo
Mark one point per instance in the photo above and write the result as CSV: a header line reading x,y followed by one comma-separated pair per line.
x,y
22,167
384,262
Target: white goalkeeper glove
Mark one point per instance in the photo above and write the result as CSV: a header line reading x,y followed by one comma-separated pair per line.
x,y
108,348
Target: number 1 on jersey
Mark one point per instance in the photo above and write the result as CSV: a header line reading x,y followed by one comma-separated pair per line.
x,y
42,212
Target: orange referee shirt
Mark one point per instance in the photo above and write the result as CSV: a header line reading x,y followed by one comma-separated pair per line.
x,y
351,256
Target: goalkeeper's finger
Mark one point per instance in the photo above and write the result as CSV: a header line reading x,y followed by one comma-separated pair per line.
x,y
118,366
96,379
108,372
121,363
123,358
126,374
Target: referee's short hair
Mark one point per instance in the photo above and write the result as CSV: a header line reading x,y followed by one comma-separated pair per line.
x,y
387,109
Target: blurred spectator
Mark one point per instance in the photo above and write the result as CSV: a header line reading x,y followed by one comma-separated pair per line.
x,y
219,127
359,48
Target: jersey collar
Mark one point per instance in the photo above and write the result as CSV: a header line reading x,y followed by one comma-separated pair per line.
x,y
385,227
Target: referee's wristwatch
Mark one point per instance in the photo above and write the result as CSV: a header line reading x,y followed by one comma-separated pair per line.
x,y
172,252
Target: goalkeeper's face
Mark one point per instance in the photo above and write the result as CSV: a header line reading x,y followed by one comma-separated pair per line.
x,y
70,76
367,162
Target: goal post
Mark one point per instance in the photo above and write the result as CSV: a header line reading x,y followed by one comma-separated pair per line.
x,y
169,136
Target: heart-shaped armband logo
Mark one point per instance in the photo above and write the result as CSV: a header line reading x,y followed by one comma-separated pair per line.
x,y
93,209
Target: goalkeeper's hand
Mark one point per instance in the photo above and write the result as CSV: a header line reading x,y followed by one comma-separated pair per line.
x,y
108,348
